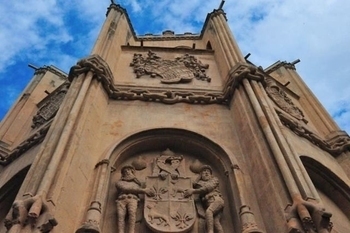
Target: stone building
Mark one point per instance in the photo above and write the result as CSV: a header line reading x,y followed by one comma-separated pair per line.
x,y
171,133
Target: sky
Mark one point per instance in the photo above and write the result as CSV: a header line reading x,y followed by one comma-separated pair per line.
x,y
59,33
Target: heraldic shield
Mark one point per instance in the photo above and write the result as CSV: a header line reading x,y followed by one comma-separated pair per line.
x,y
168,210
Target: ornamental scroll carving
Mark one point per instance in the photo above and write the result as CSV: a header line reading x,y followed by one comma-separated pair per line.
x,y
281,99
181,70
171,200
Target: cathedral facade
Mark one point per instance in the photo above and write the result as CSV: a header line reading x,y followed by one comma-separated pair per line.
x,y
172,133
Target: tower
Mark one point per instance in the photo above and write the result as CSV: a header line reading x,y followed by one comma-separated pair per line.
x,y
166,108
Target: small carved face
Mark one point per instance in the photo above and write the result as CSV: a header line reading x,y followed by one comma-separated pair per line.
x,y
128,171
206,174
175,163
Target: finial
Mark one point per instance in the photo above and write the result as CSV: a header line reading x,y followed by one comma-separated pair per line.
x,y
221,4
112,2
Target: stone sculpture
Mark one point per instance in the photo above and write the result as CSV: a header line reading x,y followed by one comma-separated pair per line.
x,y
207,186
129,188
168,210
181,70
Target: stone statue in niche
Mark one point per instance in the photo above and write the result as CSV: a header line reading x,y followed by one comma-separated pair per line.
x,y
207,186
128,188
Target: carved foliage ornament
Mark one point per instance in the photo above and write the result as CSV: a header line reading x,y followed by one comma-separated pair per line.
x,y
281,99
181,70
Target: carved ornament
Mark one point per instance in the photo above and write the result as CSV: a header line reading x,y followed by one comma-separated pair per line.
x,y
307,216
100,68
50,106
281,99
335,145
182,70
171,200
32,213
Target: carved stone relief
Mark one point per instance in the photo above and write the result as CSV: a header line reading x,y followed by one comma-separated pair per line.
x,y
30,215
181,70
50,106
282,100
168,199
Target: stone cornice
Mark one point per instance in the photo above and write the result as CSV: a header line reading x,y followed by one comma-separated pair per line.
x,y
335,143
44,69
169,95
279,64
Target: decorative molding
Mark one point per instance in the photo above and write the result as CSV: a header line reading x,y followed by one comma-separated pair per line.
x,y
104,161
182,69
169,95
339,141
335,144
34,139
281,99
95,64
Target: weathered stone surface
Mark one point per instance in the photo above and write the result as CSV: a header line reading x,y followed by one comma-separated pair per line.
x,y
190,138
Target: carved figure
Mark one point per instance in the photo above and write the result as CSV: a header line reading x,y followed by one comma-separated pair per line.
x,y
207,186
167,164
129,188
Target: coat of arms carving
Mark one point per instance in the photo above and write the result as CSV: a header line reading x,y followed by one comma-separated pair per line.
x,y
181,70
172,202
168,210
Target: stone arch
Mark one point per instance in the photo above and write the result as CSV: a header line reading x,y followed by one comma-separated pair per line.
x,y
237,212
333,191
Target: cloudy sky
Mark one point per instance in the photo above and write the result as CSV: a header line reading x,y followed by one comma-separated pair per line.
x,y
58,32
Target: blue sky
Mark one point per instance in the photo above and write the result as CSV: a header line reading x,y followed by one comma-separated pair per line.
x,y
58,32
